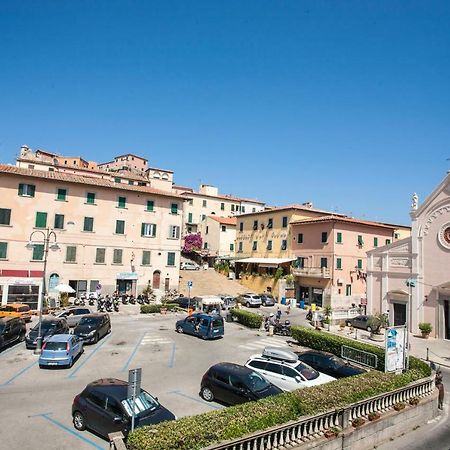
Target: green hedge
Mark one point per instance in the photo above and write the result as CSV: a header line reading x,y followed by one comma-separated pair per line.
x,y
247,318
149,309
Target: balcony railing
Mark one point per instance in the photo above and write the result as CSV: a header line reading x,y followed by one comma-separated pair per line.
x,y
316,272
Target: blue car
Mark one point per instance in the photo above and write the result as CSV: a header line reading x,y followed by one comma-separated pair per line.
x,y
60,350
203,325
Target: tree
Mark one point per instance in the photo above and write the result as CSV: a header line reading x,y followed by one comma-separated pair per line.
x,y
192,242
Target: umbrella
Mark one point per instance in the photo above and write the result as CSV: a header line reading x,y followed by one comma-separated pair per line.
x,y
64,288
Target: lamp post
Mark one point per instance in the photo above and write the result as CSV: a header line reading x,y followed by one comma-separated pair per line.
x,y
48,235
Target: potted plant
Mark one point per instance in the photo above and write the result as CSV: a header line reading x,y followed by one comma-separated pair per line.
x,y
399,406
331,432
414,401
374,416
358,422
426,329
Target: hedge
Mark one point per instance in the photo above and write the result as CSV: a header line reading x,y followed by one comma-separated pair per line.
x,y
247,318
199,431
149,309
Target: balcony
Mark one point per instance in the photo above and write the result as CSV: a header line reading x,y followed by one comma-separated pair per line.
x,y
314,272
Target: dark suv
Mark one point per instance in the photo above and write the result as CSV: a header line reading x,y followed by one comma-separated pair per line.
x,y
93,327
232,384
184,302
104,407
49,327
12,329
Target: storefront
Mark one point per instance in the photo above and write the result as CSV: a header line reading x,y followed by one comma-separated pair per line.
x,y
126,283
25,288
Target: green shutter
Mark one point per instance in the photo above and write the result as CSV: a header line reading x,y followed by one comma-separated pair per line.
x,y
375,242
146,258
90,198
71,254
231,247
5,216
59,221
117,258
154,230
190,218
323,263
32,189
38,252
174,208
170,259
339,238
88,224
3,250
100,255
300,238
150,205
360,240
61,194
388,241
338,263
41,220
21,189
120,226
324,237
122,202
360,263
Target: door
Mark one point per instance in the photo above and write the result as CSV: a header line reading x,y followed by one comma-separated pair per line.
x,y
156,279
166,284
399,314
238,392
97,417
8,334
274,373
189,325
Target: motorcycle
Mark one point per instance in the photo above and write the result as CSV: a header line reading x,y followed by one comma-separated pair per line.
x,y
108,304
140,299
132,300
100,304
283,329
124,299
91,299
116,304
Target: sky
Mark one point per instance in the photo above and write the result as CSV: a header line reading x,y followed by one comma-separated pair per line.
x,y
344,104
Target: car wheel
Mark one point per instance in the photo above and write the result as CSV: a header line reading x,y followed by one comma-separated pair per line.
x,y
79,422
180,329
207,394
21,337
369,329
264,303
247,305
97,337
71,363
41,366
349,324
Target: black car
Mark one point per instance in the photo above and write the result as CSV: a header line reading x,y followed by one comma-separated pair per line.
x,y
267,299
232,384
184,302
12,329
93,327
104,407
330,364
49,327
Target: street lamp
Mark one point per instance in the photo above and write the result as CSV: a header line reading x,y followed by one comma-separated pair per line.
x,y
49,241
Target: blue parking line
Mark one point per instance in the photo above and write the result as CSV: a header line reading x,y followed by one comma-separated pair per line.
x,y
79,366
19,373
70,431
198,400
125,367
172,356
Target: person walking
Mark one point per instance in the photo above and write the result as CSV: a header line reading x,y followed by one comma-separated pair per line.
x,y
440,388
278,313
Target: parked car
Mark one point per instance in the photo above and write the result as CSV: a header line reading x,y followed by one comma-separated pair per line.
x,y
60,350
267,299
74,315
184,302
12,329
283,369
93,327
330,364
16,310
364,322
250,299
189,265
228,301
104,407
49,327
232,384
207,326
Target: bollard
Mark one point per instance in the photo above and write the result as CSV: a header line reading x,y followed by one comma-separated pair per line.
x,y
270,330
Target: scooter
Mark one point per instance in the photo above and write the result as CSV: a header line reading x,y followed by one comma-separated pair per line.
x,y
283,329
132,300
124,299
91,299
108,304
100,304
116,304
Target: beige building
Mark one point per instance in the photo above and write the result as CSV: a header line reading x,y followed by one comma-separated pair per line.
x,y
219,235
115,235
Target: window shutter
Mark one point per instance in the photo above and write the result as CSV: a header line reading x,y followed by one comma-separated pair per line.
x,y
21,189
41,220
154,230
38,252
150,205
3,249
32,189
142,229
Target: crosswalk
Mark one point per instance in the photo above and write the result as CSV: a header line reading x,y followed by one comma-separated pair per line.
x,y
153,339
270,341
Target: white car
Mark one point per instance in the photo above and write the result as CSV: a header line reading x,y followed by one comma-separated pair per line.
x,y
283,369
189,265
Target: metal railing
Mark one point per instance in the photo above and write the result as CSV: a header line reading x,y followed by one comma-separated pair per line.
x,y
359,356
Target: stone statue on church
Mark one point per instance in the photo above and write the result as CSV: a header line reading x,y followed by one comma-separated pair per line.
x,y
414,202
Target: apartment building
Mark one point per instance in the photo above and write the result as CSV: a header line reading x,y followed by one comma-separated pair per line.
x,y
109,235
219,235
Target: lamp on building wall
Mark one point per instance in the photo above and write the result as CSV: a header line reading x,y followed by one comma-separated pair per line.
x,y
49,242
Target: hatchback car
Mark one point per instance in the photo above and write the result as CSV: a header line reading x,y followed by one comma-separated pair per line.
x,y
283,369
232,384
184,302
267,300
49,327
330,364
189,265
93,327
74,315
363,322
206,326
12,329
249,300
60,350
104,407
16,310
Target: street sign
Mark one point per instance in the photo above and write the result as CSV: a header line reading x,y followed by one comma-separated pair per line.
x,y
189,284
134,389
364,302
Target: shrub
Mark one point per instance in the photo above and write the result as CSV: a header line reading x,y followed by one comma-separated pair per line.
x,y
414,401
399,406
149,309
247,318
358,422
425,327
374,416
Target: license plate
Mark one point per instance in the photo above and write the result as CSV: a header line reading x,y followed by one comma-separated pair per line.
x,y
216,331
52,364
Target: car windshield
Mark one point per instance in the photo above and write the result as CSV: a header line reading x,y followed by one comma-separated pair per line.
x,y
337,362
217,323
307,372
142,403
45,326
55,346
255,382
89,321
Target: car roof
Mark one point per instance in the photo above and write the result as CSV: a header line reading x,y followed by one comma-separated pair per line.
x,y
54,319
16,305
315,352
282,362
60,338
231,368
9,319
113,386
95,315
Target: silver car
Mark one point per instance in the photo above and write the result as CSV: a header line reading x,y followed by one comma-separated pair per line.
x,y
74,315
250,299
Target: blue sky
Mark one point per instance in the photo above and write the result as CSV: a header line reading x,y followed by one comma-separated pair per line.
x,y
345,104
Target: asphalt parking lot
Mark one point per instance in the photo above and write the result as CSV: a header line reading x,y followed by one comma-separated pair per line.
x,y
36,403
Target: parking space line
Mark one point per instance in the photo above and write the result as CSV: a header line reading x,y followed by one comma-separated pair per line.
x,y
70,431
72,374
172,356
198,400
125,367
19,373
10,349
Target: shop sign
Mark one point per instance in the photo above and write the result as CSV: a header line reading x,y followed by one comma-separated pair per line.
x,y
127,276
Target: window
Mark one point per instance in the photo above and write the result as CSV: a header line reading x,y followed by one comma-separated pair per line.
x,y
240,247
3,250
231,247
269,245
117,256
41,220
203,216
241,226
117,180
174,232
120,226
90,198
122,202
224,228
88,224
348,289
284,222
284,244
270,223
148,229
232,208
174,208
59,221
388,241
100,255
255,245
300,262
131,182
243,209
396,235
338,263
71,254
360,241
222,206
323,263
38,252
204,203
5,216
27,190
324,237
375,242
146,257
339,237
61,194
171,258
300,238
255,224
360,264
190,218
253,209
205,245
150,205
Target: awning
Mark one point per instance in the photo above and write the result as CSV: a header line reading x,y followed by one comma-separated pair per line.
x,y
265,262
211,301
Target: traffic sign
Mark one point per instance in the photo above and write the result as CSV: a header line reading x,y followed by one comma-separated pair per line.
x,y
134,389
189,284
